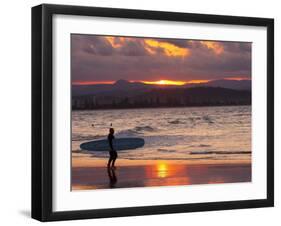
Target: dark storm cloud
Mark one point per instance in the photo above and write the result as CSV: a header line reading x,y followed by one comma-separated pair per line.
x,y
237,47
132,48
97,58
96,45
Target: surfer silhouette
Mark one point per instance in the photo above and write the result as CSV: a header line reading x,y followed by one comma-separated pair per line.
x,y
112,152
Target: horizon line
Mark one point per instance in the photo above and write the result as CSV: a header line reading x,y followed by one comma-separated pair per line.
x,y
163,82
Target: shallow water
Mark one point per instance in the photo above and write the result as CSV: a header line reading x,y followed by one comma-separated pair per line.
x,y
191,133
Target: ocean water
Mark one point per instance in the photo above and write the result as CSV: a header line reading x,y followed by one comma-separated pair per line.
x,y
191,133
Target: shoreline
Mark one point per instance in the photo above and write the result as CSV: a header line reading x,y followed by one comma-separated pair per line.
x,y
98,162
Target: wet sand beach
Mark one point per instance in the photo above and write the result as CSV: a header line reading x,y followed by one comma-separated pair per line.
x,y
93,174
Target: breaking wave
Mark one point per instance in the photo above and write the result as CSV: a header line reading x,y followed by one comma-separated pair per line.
x,y
144,128
138,130
165,150
176,121
127,133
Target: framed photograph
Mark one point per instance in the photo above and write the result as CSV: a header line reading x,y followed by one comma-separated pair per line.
x,y
145,112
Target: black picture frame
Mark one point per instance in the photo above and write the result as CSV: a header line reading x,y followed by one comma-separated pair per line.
x,y
42,107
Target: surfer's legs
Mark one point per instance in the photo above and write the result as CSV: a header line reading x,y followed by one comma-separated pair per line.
x,y
109,161
112,159
113,162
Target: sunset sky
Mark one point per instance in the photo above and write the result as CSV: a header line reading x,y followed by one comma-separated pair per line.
x,y
105,59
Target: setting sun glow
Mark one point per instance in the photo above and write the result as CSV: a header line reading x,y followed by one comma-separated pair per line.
x,y
165,82
175,83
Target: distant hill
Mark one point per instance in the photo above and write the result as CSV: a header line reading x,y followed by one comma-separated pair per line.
x,y
120,85
229,84
132,88
162,97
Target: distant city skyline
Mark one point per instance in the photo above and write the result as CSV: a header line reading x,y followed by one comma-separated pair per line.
x,y
106,59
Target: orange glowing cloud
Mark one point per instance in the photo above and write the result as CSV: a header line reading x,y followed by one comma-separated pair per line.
x,y
216,47
116,42
169,49
151,46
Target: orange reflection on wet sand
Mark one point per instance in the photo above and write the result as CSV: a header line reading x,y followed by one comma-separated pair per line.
x,y
162,170
161,173
165,174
